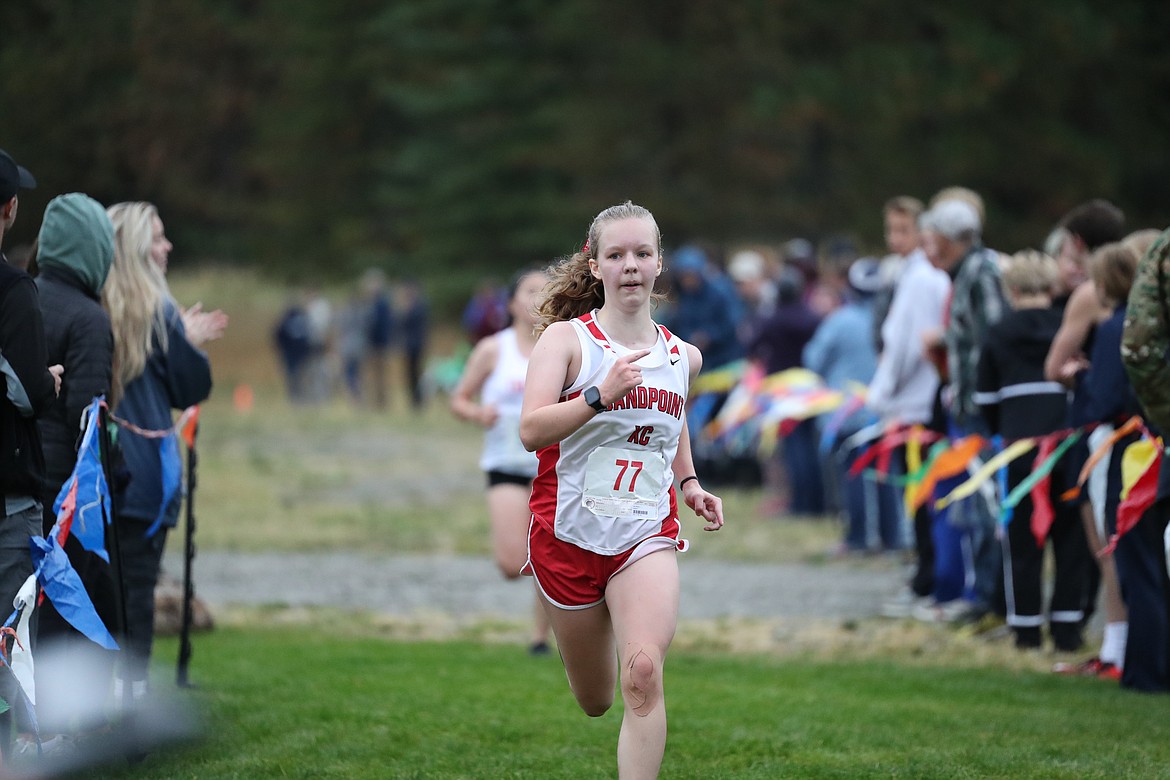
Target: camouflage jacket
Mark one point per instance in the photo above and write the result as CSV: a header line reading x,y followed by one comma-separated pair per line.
x,y
1146,338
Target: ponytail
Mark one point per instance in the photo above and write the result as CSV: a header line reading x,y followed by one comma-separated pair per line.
x,y
572,290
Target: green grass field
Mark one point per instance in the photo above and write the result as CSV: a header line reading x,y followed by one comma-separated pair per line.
x,y
301,703
302,694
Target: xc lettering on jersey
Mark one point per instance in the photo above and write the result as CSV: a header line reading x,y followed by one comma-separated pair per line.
x,y
641,435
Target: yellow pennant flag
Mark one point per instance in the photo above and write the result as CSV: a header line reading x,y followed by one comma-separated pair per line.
x,y
913,465
1135,461
968,488
721,380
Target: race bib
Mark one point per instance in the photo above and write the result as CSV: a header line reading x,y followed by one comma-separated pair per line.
x,y
623,483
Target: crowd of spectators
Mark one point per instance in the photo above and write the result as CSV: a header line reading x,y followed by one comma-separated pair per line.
x,y
325,349
87,322
963,342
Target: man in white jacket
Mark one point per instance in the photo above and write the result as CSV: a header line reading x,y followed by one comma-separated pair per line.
x,y
905,384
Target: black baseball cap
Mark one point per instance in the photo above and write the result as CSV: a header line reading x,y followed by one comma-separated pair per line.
x,y
13,177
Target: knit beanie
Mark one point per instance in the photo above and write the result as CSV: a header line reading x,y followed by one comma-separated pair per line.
x,y
77,235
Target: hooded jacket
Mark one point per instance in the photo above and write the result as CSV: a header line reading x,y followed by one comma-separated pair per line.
x,y
1016,401
75,249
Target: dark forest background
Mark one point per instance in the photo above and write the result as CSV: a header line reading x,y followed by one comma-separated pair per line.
x,y
444,138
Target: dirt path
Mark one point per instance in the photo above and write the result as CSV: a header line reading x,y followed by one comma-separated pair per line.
x,y
465,586
816,610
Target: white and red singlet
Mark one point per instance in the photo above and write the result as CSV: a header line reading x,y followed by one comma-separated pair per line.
x,y
609,485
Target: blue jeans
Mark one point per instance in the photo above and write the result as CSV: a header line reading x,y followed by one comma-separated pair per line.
x,y
973,557
951,561
873,512
804,469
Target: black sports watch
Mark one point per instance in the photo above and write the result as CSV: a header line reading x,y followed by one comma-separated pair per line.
x,y
593,398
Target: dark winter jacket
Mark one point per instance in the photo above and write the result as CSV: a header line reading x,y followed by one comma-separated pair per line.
x,y
77,333
709,315
1010,389
30,388
174,378
781,338
75,251
1109,395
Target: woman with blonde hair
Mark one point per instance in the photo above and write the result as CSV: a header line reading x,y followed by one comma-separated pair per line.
x,y
158,368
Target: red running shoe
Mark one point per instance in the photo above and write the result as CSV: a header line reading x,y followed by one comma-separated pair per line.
x,y
1090,668
1094,667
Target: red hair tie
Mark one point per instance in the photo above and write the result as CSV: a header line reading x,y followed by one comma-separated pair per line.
x,y
585,247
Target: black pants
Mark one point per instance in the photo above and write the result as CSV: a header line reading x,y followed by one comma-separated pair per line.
x,y
141,561
414,377
1024,567
1141,567
922,583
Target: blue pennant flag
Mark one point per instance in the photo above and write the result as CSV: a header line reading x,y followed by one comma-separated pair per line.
x,y
172,477
91,501
63,587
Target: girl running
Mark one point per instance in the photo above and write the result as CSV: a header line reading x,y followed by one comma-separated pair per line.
x,y
490,394
604,410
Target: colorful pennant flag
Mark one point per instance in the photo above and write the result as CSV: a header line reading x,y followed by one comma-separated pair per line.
x,y
984,472
83,504
1140,494
64,588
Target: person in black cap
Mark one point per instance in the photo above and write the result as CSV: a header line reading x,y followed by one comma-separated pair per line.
x,y
32,386
13,178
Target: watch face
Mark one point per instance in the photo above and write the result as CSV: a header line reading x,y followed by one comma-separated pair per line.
x,y
593,398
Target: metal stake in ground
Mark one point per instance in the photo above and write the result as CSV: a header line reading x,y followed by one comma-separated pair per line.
x,y
185,648
112,539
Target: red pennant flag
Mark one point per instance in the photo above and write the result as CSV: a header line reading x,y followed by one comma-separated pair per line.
x,y
1141,497
191,423
65,515
873,451
1042,511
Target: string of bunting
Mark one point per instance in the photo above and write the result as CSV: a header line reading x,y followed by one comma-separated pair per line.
x,y
758,410
1141,461
187,419
82,509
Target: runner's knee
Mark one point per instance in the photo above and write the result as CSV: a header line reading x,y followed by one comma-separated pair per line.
x,y
641,679
509,568
594,704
